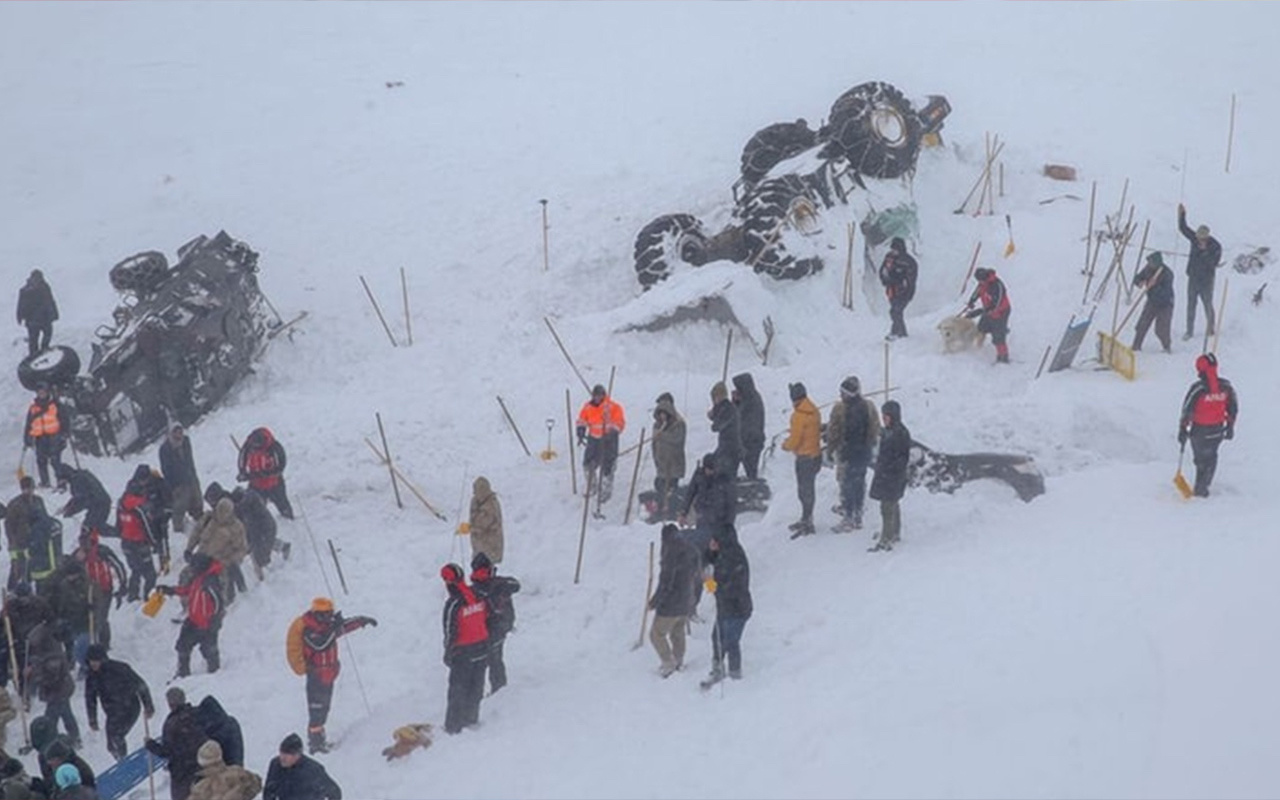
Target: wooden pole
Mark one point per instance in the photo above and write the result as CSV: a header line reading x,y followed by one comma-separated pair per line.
x,y
387,450
414,490
404,292
648,592
546,246
986,177
728,345
1222,309
18,680
1137,262
513,425
1115,315
986,171
973,262
378,310
151,771
582,534
573,455
337,565
1043,359
1002,179
635,476
846,297
886,369
567,357
1088,233
1124,195
1231,131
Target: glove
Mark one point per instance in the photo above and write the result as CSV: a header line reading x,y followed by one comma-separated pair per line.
x,y
1231,432
370,621
582,436
166,590
464,528
93,725
1182,210
242,477
1182,435
977,312
710,585
164,565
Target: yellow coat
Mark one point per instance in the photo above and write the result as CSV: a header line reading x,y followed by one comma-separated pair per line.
x,y
805,437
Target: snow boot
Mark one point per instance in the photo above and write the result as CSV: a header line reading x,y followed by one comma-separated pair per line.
x,y
717,675
845,525
606,487
316,742
805,529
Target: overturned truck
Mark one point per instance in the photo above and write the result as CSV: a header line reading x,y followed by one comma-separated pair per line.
x,y
181,338
790,174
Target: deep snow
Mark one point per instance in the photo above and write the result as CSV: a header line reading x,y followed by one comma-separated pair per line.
x,y
1108,639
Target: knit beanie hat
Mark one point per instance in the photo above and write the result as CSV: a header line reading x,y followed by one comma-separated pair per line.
x,y
67,775
796,391
291,744
210,753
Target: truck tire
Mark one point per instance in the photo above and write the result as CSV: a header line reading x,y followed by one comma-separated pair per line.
x,y
141,273
772,145
667,241
767,213
56,366
875,129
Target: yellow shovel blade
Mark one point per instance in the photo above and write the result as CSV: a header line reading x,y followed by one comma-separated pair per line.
x,y
1008,249
153,605
1184,488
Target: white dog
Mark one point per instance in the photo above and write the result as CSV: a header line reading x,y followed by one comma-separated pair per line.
x,y
959,333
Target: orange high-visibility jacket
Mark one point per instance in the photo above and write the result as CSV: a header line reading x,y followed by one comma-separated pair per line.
x,y
608,417
43,422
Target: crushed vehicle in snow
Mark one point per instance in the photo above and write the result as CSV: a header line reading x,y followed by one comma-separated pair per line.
x,y
181,338
791,174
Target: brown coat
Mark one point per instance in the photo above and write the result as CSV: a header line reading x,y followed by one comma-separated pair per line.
x,y
835,427
669,432
486,521
220,535
222,782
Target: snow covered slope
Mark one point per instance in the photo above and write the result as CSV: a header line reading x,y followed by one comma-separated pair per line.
x,y
1107,639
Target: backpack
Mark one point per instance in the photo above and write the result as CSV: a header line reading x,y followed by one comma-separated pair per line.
x,y
294,649
502,609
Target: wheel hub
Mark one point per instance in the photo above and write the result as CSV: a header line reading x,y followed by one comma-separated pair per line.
x,y
889,126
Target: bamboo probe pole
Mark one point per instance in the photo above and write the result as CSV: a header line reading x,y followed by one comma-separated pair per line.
x,y
378,309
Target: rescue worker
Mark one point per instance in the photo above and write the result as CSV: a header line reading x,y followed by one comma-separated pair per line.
x,y
322,627
123,695
46,431
993,311
496,591
23,511
178,466
1156,279
466,649
205,610
87,495
107,580
180,741
1202,266
1209,413
669,433
137,540
898,276
262,463
601,421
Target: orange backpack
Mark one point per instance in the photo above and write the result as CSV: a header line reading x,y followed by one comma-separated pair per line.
x,y
295,651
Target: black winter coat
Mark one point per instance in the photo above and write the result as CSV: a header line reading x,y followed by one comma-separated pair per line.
x,y
898,276
259,526
36,305
1160,295
732,573
496,591
725,422
178,464
120,690
712,497
87,494
890,481
678,569
1201,262
305,780
750,409
180,740
223,728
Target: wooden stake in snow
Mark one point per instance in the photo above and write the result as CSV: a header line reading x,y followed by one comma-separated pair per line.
x,y
378,310
414,490
1088,233
635,476
846,295
565,352
1137,262
1043,359
573,455
1231,131
985,175
395,487
648,592
728,345
513,425
582,533
1217,323
404,292
546,246
973,262
886,369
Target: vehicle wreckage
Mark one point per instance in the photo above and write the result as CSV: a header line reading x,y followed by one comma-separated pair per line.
x,y
928,469
181,338
790,174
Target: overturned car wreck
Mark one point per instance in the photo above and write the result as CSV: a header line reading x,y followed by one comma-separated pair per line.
x,y
180,340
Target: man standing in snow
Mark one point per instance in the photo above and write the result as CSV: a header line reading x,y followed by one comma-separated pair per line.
x,y
87,494
293,776
322,627
496,591
852,433
485,523
669,433
673,601
38,311
600,422
262,463
205,610
1202,265
731,585
728,429
898,276
123,694
46,431
1208,416
179,742
178,466
994,310
804,439
890,481
466,649
751,419
1156,279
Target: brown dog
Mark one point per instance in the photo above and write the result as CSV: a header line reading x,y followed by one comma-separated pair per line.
x,y
409,738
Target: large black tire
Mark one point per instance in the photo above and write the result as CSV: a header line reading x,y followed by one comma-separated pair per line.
x,y
56,366
141,274
775,206
875,129
667,241
773,145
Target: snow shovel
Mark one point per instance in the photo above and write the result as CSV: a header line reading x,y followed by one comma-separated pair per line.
x,y
154,603
1179,480
1009,248
22,463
